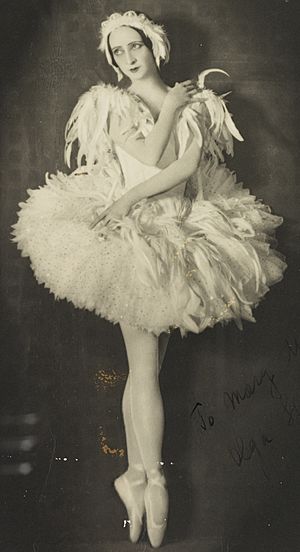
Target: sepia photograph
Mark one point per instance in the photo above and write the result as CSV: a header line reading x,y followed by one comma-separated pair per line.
x,y
150,276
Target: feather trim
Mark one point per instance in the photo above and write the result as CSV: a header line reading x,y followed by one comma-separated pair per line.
x,y
88,123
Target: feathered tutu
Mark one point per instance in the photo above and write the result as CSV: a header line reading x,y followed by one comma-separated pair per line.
x,y
180,260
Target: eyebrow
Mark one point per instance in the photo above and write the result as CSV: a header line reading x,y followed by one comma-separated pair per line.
x,y
133,41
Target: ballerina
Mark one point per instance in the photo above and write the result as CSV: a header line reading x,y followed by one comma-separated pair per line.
x,y
151,231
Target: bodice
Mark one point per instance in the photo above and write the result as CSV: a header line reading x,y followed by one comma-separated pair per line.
x,y
135,172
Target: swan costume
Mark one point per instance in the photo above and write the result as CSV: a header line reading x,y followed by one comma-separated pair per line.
x,y
198,254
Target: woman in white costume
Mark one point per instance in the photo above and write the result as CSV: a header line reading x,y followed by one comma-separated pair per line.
x,y
151,231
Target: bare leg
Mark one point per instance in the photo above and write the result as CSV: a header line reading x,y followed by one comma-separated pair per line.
x,y
142,403
135,462
144,423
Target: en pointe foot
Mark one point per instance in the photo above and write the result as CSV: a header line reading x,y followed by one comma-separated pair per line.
x,y
131,491
156,506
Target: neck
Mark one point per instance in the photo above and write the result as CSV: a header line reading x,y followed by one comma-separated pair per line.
x,y
149,86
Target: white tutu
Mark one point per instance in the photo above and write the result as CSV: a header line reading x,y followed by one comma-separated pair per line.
x,y
174,261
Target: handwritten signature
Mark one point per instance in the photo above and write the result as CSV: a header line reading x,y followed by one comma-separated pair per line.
x,y
243,450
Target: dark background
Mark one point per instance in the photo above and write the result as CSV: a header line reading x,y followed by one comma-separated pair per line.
x,y
233,472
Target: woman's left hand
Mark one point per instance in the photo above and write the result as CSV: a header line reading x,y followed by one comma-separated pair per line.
x,y
114,212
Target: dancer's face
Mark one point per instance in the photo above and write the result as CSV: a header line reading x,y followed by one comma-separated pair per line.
x,y
130,53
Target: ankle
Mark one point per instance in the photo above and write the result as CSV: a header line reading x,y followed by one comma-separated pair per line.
x,y
136,472
156,473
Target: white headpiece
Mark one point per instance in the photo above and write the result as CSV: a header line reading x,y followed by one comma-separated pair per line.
x,y
156,33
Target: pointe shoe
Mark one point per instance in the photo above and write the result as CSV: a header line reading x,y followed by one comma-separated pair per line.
x,y
132,495
156,505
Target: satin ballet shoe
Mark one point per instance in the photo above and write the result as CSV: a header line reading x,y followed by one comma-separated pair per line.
x,y
156,502
132,495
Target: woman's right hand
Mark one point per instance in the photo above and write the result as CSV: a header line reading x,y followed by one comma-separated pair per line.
x,y
181,94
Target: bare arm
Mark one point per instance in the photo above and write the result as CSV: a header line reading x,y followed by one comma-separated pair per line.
x,y
177,172
149,150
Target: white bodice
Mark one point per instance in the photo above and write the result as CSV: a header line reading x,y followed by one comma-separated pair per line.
x,y
135,172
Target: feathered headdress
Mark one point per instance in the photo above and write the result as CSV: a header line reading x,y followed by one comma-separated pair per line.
x,y
156,33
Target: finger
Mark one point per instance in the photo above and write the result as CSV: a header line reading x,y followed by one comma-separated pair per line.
x,y
196,100
188,87
103,214
195,90
192,91
97,220
94,224
109,219
184,83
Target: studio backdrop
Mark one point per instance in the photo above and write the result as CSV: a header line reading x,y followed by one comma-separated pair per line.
x,y
231,397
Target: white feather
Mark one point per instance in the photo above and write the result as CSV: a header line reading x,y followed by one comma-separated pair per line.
x,y
203,74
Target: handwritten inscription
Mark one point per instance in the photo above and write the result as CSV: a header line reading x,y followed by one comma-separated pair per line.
x,y
244,449
205,421
233,399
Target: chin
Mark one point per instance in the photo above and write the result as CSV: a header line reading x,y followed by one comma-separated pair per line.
x,y
139,76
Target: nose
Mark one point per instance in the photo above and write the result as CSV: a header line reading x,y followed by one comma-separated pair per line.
x,y
130,58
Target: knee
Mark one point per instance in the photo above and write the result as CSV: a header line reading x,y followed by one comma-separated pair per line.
x,y
142,377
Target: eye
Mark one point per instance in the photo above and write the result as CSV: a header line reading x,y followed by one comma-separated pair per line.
x,y
117,52
137,45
